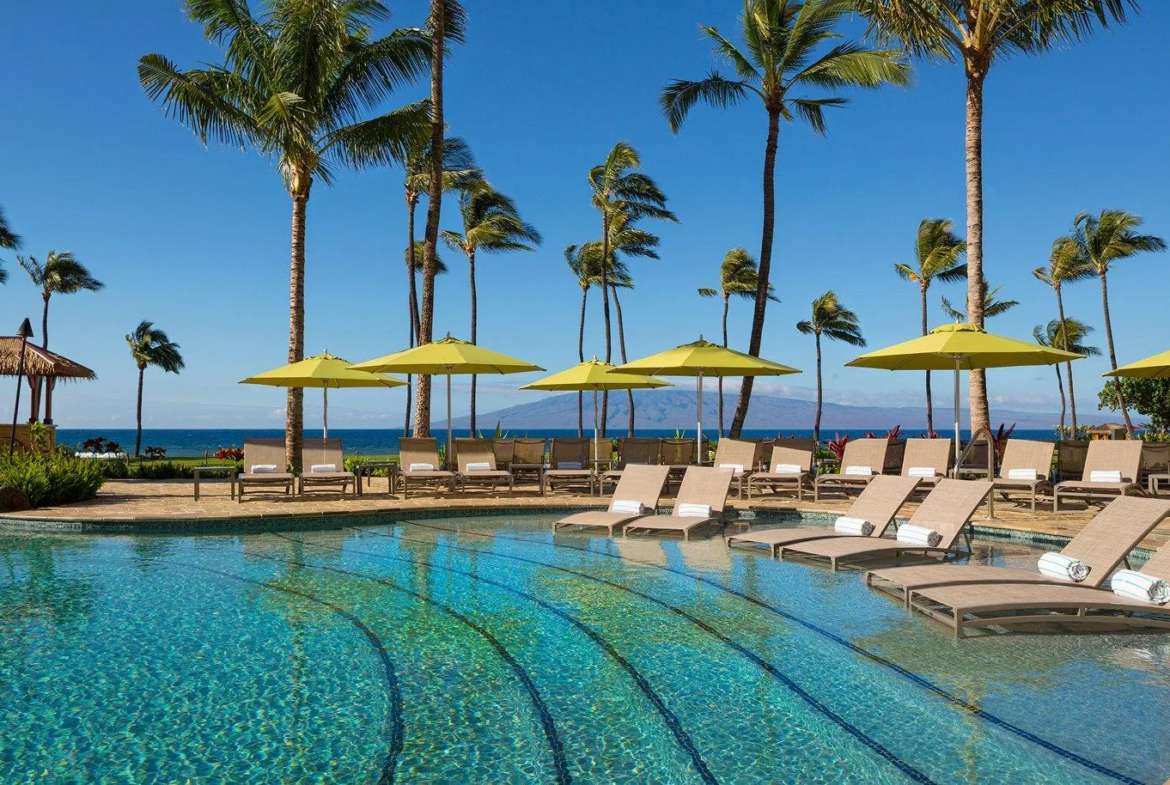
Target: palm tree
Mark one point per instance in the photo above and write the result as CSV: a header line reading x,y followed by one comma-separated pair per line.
x,y
992,305
837,323
1067,335
413,255
1102,240
60,273
491,224
738,276
620,190
585,265
446,22
937,252
619,278
295,85
1065,265
8,239
980,33
150,346
789,47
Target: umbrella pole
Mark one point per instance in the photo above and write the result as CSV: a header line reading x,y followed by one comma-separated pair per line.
x,y
956,416
325,412
450,443
699,432
596,434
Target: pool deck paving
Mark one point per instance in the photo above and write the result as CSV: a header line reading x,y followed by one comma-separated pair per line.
x,y
124,504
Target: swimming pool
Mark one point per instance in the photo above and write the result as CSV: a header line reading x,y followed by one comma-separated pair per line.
x,y
486,650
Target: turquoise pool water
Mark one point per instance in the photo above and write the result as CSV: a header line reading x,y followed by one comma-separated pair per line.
x,y
485,650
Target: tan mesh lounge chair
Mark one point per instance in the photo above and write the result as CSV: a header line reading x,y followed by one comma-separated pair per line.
x,y
678,454
1103,456
527,459
927,459
634,451
791,469
1103,544
640,484
420,452
701,485
477,465
505,450
569,464
1024,457
262,454
877,504
1007,604
323,465
946,510
739,456
860,454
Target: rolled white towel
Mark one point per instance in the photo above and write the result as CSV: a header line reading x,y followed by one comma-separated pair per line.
x,y
421,467
689,510
479,466
736,468
918,535
858,527
626,505
1022,474
859,471
1135,585
787,468
1057,565
569,465
263,468
921,471
1105,476
323,467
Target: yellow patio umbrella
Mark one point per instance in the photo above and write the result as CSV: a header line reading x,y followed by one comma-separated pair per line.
x,y
324,371
1156,367
700,359
596,376
447,357
960,347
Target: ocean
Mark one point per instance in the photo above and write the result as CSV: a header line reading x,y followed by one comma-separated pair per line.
x,y
196,443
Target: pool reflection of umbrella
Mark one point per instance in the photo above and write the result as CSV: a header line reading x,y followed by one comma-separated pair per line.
x,y
596,376
700,359
960,347
324,371
444,358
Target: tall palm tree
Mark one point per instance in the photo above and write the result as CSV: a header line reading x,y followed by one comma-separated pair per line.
x,y
585,264
837,323
1065,265
446,23
979,34
297,85
619,278
619,190
992,306
1101,240
491,224
60,273
413,255
789,48
150,346
738,277
1067,335
938,252
8,239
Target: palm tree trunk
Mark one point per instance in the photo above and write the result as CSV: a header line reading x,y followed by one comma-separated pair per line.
x,y
36,415
605,310
622,345
929,400
817,420
1072,396
726,303
765,269
1112,353
294,422
138,432
1060,388
412,299
581,358
471,274
977,379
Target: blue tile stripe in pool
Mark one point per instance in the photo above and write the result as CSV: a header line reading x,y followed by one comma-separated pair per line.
x,y
876,658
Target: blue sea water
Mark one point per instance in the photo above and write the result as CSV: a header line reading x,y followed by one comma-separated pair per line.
x,y
195,443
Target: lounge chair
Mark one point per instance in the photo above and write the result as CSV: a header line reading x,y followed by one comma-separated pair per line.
x,y
418,461
1105,459
739,456
700,501
862,461
505,451
477,465
633,451
637,493
323,464
790,469
1070,459
569,464
945,511
877,505
678,454
927,459
264,467
1101,545
527,459
1007,604
1025,468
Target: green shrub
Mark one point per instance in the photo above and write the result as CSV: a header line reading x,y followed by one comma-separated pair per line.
x,y
51,479
113,468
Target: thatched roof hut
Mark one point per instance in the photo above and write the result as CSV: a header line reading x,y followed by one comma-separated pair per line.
x,y
38,362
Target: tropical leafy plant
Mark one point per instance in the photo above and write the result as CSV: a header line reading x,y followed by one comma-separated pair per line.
x,y
150,346
1149,398
837,323
51,479
837,444
8,239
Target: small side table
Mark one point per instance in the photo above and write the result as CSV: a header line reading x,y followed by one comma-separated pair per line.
x,y
1156,480
198,471
366,470
530,467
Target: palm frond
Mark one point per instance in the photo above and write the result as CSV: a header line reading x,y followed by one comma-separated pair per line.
x,y
376,69
197,99
8,238
680,96
380,141
150,346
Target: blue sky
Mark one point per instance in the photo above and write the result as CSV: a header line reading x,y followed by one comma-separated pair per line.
x,y
197,239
